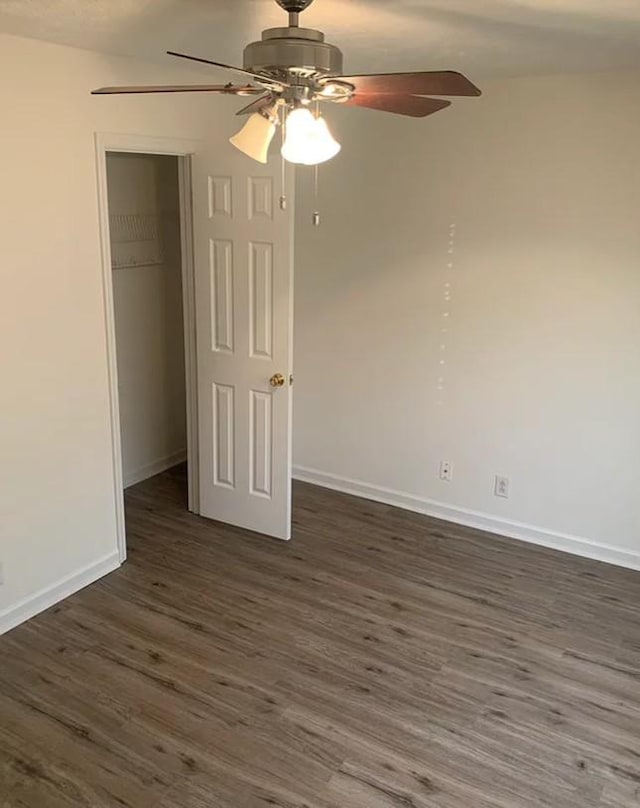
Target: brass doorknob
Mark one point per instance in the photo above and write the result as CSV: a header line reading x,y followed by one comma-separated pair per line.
x,y
277,380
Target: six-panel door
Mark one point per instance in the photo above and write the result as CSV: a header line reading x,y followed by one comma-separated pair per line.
x,y
244,303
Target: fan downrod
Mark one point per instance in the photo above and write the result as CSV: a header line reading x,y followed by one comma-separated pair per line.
x,y
294,8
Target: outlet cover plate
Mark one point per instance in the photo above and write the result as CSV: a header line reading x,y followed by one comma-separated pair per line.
x,y
446,470
501,488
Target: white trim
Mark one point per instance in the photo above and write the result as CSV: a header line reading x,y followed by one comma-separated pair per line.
x,y
110,336
146,144
475,519
34,604
189,319
110,142
156,467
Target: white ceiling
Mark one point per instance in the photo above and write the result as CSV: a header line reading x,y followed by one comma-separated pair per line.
x,y
483,38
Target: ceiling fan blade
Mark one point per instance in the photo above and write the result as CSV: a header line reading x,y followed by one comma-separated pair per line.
x,y
257,105
442,82
264,80
411,105
227,89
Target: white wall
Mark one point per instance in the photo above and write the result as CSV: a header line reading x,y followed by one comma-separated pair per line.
x,y
148,316
57,515
541,380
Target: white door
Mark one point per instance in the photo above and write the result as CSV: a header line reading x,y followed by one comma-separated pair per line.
x,y
244,316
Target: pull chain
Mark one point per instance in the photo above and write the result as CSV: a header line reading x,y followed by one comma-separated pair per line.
x,y
316,174
316,212
283,175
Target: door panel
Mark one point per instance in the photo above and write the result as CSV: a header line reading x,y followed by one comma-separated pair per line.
x,y
244,304
261,300
221,285
223,436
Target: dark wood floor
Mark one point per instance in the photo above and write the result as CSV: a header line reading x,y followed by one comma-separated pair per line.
x,y
379,660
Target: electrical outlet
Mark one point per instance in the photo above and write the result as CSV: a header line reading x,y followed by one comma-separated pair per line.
x,y
446,470
501,488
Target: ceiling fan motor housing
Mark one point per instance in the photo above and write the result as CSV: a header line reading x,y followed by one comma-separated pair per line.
x,y
302,51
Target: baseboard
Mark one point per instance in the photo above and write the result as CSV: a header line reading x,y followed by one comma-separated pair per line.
x,y
475,519
156,467
33,605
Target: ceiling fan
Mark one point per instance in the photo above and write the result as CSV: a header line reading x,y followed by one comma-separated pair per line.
x,y
291,70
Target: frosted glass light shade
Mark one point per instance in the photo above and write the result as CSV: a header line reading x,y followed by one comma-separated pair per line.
x,y
255,137
308,140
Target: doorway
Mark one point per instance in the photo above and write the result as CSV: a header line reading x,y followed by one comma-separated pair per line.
x,y
144,235
237,282
148,285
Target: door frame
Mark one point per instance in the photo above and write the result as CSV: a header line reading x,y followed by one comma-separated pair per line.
x,y
182,149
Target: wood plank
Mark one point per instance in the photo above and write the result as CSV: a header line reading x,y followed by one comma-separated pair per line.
x,y
381,659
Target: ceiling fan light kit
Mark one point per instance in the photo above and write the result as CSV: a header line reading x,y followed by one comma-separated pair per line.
x,y
290,69
256,135
308,140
